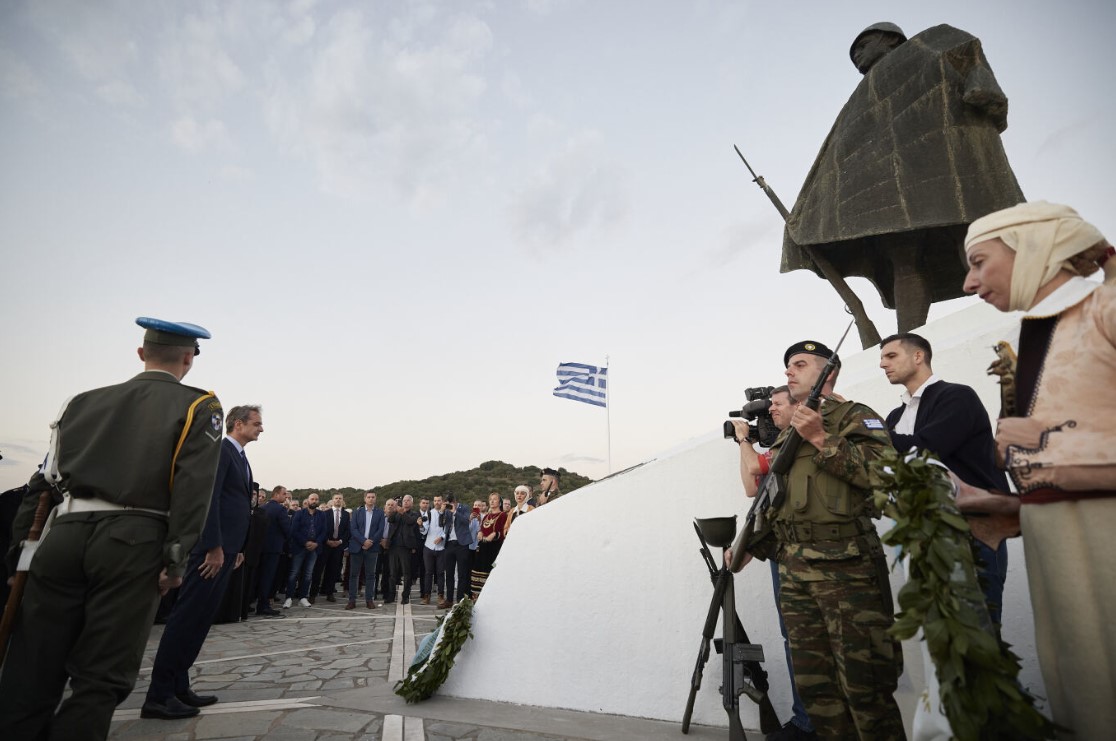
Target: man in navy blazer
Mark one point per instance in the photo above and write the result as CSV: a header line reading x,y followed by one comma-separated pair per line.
x,y
308,533
327,570
217,553
459,537
949,420
365,531
275,539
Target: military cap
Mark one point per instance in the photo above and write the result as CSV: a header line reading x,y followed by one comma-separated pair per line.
x,y
551,472
178,334
810,348
883,26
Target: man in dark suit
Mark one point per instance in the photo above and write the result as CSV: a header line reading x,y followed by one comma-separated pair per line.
x,y
403,541
308,533
364,549
275,539
949,420
327,570
136,463
458,539
218,552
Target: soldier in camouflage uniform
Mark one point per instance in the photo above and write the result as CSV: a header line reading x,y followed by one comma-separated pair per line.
x,y
835,596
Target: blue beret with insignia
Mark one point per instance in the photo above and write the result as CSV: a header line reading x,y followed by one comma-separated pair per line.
x,y
808,347
180,334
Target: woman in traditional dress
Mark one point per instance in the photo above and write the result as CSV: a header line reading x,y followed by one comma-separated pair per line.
x,y
1058,444
489,540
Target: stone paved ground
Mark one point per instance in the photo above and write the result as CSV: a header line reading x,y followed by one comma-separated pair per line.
x,y
324,673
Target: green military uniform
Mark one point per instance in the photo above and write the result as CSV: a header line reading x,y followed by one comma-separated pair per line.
x,y
835,596
150,443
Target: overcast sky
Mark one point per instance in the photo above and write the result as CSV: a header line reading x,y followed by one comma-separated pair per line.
x,y
398,218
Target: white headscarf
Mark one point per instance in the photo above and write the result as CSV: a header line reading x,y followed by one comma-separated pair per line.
x,y
1043,236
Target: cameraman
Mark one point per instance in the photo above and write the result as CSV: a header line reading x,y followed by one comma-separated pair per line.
x,y
753,467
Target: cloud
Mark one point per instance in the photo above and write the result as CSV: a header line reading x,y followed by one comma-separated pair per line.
x,y
195,136
194,63
236,174
17,79
120,93
577,190
384,102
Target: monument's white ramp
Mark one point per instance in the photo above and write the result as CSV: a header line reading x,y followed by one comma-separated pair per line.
x,y
598,599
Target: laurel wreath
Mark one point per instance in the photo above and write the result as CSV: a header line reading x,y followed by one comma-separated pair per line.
x,y
977,672
436,654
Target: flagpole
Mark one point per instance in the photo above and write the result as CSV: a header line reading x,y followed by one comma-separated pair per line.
x,y
608,418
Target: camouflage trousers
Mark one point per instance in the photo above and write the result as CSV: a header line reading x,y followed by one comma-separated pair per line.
x,y
846,666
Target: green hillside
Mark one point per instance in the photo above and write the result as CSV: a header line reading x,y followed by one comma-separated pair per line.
x,y
476,483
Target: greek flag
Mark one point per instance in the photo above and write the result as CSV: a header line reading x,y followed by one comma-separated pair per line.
x,y
582,382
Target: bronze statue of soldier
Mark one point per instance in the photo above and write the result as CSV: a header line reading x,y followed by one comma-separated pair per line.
x,y
913,158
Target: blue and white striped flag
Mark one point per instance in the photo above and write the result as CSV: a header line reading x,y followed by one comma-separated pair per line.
x,y
582,382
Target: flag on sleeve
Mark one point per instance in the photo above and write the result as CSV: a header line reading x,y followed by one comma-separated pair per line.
x,y
582,382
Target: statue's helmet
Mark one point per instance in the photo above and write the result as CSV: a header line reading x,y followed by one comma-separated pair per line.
x,y
881,26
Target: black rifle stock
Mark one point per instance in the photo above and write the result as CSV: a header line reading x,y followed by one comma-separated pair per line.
x,y
741,660
771,494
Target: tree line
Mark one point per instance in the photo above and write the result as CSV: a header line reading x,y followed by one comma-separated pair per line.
x,y
476,483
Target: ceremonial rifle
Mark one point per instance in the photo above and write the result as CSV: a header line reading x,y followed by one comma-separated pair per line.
x,y
19,581
869,335
757,536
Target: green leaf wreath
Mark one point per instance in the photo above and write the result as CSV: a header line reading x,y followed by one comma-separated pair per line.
x,y
436,654
980,692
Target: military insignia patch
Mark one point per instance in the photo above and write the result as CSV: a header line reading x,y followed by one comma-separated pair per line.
x,y
874,424
810,346
214,431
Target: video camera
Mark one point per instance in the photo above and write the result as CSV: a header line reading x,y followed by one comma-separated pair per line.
x,y
761,427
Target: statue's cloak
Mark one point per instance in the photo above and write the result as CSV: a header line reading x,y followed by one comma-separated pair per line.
x,y
915,149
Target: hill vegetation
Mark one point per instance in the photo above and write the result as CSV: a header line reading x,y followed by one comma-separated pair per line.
x,y
476,483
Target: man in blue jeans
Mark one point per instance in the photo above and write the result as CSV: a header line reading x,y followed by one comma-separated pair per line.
x,y
308,533
753,467
365,529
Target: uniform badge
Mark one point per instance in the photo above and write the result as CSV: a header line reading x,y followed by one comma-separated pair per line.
x,y
214,431
810,346
874,424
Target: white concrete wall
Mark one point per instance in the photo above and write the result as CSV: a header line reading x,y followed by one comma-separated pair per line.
x,y
598,599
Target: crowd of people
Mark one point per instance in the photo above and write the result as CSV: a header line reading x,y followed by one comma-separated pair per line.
x,y
371,554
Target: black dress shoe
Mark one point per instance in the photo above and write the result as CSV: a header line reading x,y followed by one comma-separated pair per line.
x,y
194,700
172,709
330,598
271,613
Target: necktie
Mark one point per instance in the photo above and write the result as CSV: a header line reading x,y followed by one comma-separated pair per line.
x,y
247,468
336,523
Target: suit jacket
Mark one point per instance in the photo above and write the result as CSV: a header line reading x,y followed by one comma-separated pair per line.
x,y
230,507
356,528
342,531
278,526
953,424
462,533
404,529
300,529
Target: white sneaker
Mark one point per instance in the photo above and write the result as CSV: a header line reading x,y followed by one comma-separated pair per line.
x,y
287,603
304,602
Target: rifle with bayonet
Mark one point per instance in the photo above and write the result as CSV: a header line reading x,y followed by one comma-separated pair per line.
x,y
757,536
742,672
869,335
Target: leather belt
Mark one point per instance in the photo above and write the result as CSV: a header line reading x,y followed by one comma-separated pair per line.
x,y
72,505
1049,495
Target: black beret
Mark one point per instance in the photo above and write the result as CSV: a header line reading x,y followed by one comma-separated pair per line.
x,y
809,348
551,472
